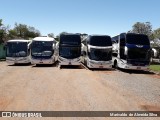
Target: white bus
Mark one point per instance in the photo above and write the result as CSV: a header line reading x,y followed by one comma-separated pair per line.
x,y
131,51
97,51
154,53
69,49
18,51
43,50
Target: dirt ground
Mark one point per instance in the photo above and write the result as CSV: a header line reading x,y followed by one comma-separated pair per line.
x,y
48,88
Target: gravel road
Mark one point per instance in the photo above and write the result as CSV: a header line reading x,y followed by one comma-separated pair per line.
x,y
45,88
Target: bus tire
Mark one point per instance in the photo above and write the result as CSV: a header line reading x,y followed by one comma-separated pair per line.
x,y
115,64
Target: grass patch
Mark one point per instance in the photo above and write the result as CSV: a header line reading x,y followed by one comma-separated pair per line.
x,y
155,68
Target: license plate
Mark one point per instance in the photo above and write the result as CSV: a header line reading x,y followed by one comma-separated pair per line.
x,y
41,62
138,68
100,66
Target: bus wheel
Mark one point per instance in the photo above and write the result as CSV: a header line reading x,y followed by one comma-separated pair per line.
x,y
59,66
115,64
85,62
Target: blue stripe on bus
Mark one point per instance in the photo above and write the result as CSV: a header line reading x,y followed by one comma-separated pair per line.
x,y
135,46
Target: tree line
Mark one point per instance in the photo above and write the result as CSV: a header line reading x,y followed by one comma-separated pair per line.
x,y
146,28
28,32
19,31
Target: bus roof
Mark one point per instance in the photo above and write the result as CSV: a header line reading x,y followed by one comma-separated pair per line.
x,y
99,40
98,35
70,39
43,39
18,40
129,34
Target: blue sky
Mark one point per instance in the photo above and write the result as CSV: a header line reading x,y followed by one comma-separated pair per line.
x,y
109,17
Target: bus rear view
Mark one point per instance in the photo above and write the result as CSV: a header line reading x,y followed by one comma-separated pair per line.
x,y
70,49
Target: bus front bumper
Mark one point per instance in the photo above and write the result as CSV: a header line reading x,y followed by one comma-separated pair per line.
x,y
131,67
63,61
99,64
20,60
42,61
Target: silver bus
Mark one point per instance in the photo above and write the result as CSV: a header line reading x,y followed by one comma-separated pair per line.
x,y
18,51
69,49
131,51
97,51
43,50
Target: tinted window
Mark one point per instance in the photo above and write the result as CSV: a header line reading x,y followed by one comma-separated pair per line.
x,y
138,53
122,40
70,39
100,54
70,52
17,49
100,41
42,48
137,39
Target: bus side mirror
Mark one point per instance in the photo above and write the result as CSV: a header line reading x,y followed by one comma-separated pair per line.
x,y
125,50
29,45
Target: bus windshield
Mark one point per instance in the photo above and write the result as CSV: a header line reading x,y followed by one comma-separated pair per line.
x,y
100,54
17,49
100,41
138,53
70,39
69,52
137,39
42,48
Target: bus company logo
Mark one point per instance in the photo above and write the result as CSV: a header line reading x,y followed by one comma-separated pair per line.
x,y
139,46
6,114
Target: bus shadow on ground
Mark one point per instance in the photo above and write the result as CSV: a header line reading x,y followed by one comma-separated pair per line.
x,y
21,64
2,60
136,71
45,65
101,69
71,67
155,63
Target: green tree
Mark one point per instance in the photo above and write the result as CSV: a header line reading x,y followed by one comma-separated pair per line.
x,y
56,38
32,32
142,28
156,38
156,33
64,33
51,35
23,31
3,31
12,34
1,22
